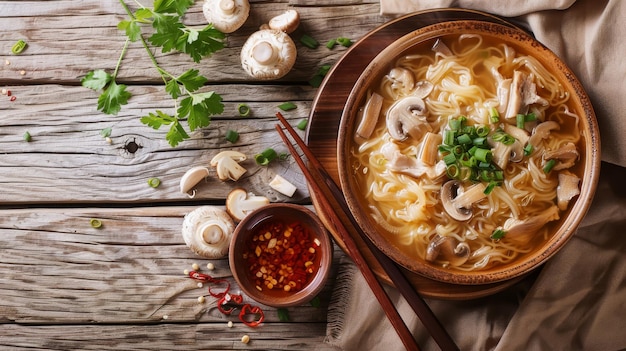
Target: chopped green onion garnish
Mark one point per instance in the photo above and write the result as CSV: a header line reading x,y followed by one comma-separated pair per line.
x,y
243,110
549,165
302,124
27,137
286,106
528,149
18,47
498,234
483,155
449,159
464,139
346,42
232,136
492,185
453,171
520,119
331,43
95,223
494,115
448,137
482,131
530,117
265,157
309,41
154,182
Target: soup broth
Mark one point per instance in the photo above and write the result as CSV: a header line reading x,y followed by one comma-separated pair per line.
x,y
467,152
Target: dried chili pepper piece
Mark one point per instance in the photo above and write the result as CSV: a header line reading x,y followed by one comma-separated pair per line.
x,y
201,276
221,293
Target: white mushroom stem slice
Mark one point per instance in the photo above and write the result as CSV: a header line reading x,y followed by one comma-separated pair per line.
x,y
402,79
239,203
448,249
515,96
430,148
283,186
286,22
457,201
411,166
567,189
423,88
207,231
407,117
191,178
268,54
369,118
504,86
226,15
522,230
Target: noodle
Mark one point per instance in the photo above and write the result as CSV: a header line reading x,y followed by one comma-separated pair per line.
x,y
469,83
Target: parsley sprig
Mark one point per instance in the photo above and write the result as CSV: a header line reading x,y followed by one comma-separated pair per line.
x,y
169,33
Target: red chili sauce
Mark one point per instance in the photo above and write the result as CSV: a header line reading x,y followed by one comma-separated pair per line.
x,y
282,257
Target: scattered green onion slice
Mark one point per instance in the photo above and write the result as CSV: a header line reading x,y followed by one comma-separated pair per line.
x,y
232,136
302,124
265,157
498,234
520,120
154,182
528,149
95,223
549,165
345,42
283,314
286,106
309,41
243,110
27,137
18,47
331,43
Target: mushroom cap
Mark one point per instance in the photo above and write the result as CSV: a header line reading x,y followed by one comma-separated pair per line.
x,y
239,203
286,22
449,191
207,231
226,15
268,54
407,116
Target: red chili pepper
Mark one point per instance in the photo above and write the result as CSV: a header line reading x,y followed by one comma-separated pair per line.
x,y
8,92
224,302
201,276
13,98
248,311
221,293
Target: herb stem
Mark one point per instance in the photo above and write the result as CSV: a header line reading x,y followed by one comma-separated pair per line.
x,y
119,60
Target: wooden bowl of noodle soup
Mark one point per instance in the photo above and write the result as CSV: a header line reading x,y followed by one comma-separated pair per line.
x,y
468,152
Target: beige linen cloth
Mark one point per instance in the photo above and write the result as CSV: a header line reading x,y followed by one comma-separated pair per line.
x,y
577,301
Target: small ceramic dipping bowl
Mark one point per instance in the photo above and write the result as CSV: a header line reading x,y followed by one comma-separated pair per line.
x,y
280,255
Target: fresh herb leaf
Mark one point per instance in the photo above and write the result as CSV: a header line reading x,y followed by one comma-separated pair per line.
x,y
112,98
176,134
96,80
106,132
192,80
316,302
199,44
283,314
172,6
131,28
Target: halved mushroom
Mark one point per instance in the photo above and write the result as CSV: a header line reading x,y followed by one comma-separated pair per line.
x,y
268,54
239,203
407,117
448,249
567,155
567,189
522,230
286,22
191,178
369,118
503,153
402,79
226,15
227,165
207,231
458,201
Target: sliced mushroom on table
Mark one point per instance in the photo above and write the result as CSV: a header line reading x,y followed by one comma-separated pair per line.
x,y
239,203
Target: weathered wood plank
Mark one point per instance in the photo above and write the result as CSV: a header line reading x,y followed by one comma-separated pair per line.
x,y
83,35
56,269
166,336
69,161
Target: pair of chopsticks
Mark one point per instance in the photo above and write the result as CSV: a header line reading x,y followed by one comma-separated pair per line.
x,y
330,198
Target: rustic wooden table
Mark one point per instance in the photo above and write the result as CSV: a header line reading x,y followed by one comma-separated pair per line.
x,y
66,285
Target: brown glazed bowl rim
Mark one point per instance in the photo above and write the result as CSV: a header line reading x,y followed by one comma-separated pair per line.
x,y
590,156
281,211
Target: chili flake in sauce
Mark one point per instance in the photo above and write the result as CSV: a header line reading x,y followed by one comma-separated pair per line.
x,y
282,257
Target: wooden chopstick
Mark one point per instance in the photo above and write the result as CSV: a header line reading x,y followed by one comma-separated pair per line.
x,y
419,306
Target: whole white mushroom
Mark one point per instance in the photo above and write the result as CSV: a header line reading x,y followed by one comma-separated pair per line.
x,y
207,231
268,54
226,15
